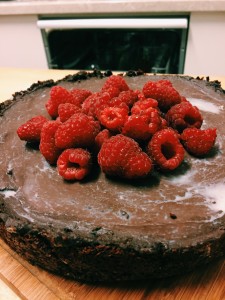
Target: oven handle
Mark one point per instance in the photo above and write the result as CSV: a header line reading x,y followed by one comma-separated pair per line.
x,y
115,23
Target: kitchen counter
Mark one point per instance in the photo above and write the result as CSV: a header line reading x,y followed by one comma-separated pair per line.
x,y
14,80
23,7
20,280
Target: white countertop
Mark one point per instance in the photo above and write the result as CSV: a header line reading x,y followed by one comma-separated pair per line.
x,y
19,79
23,7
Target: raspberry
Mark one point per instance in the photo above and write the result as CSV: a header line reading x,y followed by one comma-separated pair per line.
x,y
138,166
140,95
138,116
113,91
121,156
95,102
143,105
164,123
79,95
184,115
47,144
105,101
113,118
58,95
165,82
164,93
183,99
31,130
101,102
143,126
88,105
116,81
166,150
129,97
101,137
198,142
79,130
74,164
66,110
116,102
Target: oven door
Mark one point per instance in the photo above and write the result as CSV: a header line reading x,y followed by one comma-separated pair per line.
x,y
155,45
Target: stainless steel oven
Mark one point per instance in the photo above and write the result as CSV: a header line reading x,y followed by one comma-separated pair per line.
x,y
153,44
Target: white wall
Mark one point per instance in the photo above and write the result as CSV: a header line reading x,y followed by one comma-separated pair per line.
x,y
206,44
21,43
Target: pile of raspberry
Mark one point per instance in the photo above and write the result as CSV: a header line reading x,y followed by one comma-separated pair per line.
x,y
127,132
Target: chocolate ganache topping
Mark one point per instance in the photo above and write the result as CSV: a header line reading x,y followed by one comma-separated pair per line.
x,y
165,221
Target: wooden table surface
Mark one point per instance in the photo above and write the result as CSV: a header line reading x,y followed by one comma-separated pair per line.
x,y
20,280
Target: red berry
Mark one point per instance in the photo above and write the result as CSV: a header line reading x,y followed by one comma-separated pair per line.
x,y
184,99
113,118
47,144
140,95
79,130
101,137
58,95
113,91
165,82
166,150
92,104
91,120
105,101
138,166
164,93
66,110
31,130
184,115
101,102
143,126
198,142
116,102
129,97
121,156
79,95
164,123
88,105
142,106
116,81
74,164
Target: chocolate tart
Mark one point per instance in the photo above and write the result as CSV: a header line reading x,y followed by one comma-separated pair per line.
x,y
104,229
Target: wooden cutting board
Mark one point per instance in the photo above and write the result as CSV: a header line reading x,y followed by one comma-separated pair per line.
x,y
23,281
20,280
